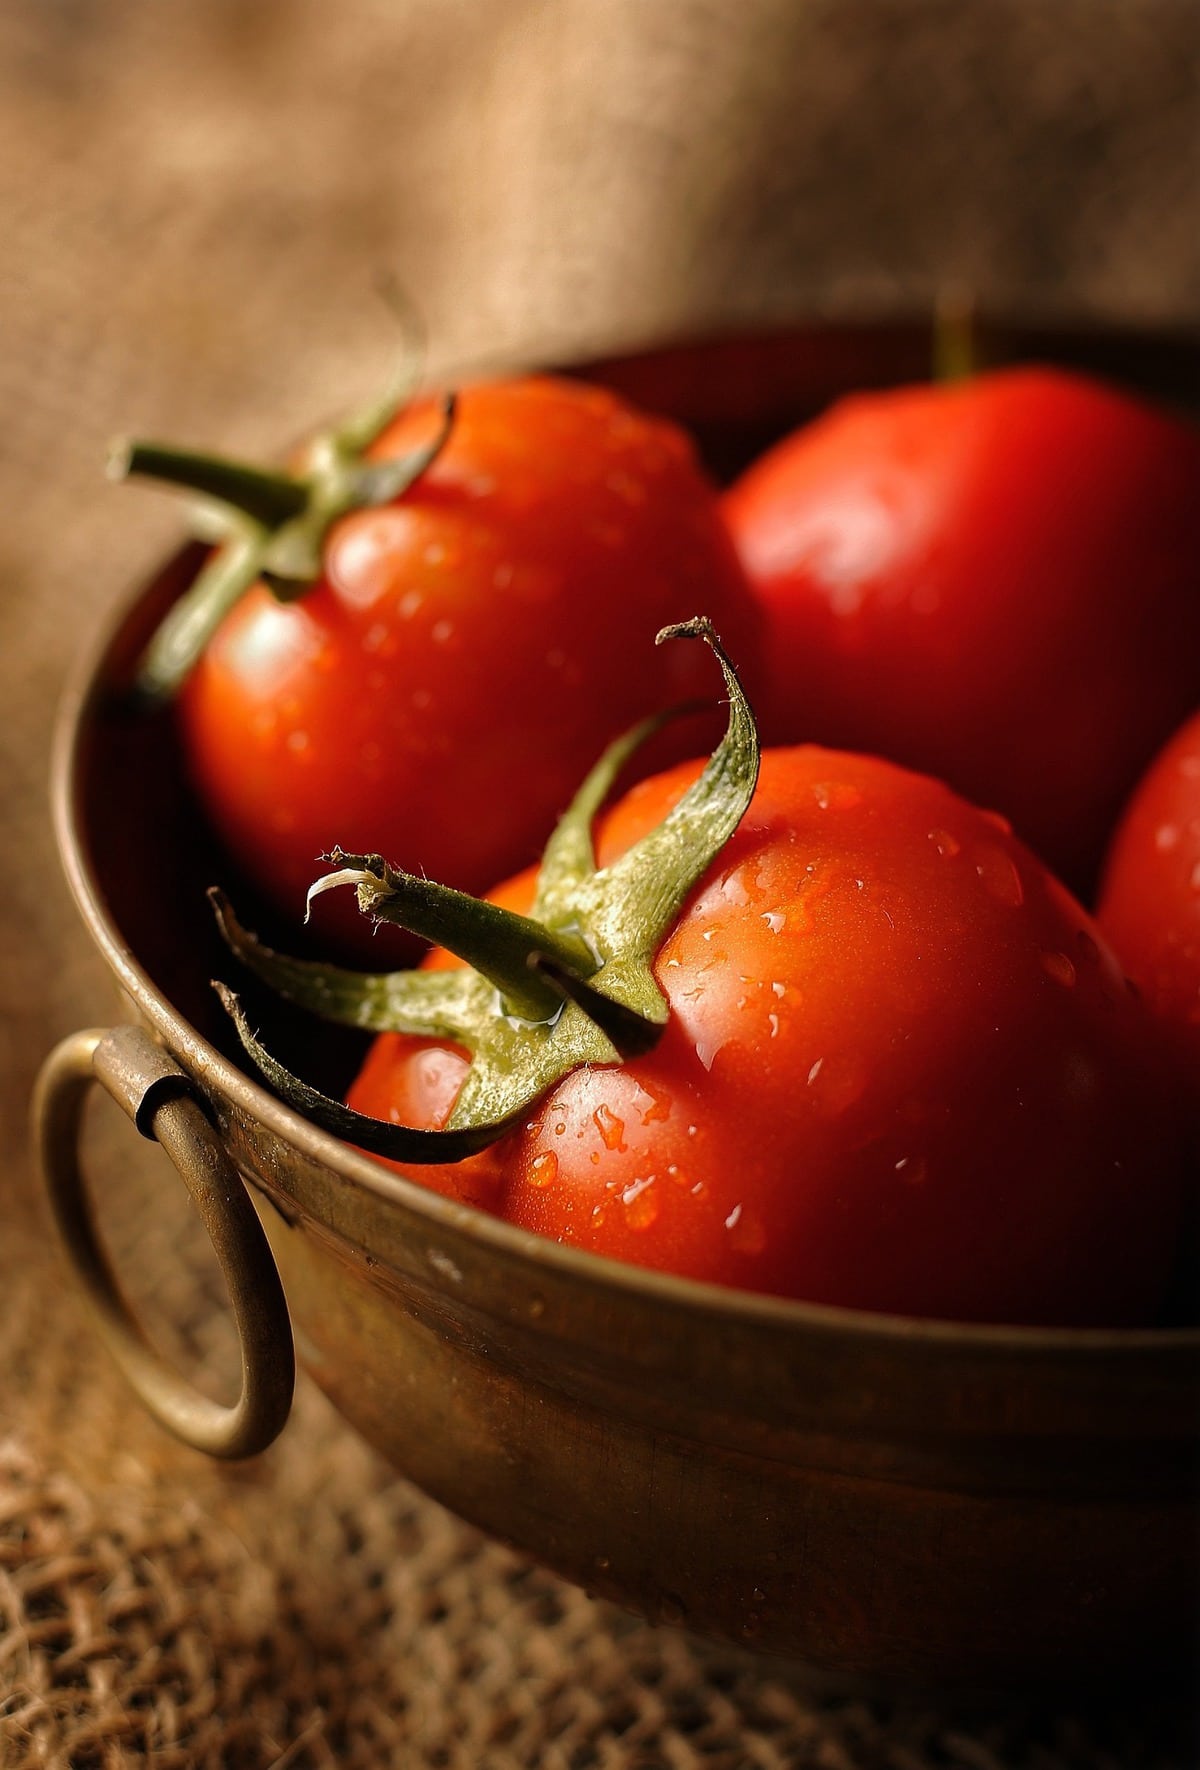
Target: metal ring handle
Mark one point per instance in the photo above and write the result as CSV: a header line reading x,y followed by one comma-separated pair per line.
x,y
158,1097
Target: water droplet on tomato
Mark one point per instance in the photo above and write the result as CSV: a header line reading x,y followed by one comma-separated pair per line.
x,y
1166,837
746,1232
837,1082
659,1109
543,1169
410,604
912,1169
836,795
441,631
945,843
1000,877
640,1199
610,1127
1058,968
775,920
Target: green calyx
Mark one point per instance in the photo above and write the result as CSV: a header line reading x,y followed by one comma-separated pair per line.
x,y
572,983
269,526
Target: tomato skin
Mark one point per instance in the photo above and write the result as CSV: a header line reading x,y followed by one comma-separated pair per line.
x,y
902,1072
1150,896
994,581
438,695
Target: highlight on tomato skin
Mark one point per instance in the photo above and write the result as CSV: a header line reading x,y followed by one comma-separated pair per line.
x,y
1149,904
402,702
902,1072
992,581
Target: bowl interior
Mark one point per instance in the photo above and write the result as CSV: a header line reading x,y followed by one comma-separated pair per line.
x,y
141,853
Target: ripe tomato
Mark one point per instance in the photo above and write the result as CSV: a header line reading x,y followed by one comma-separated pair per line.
x,y
1150,896
403,702
993,581
901,1071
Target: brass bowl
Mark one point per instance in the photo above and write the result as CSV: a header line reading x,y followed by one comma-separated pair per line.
x,y
871,1494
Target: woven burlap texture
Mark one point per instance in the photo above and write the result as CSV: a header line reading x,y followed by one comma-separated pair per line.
x,y
196,197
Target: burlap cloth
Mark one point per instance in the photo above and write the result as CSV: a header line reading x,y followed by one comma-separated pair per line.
x,y
195,198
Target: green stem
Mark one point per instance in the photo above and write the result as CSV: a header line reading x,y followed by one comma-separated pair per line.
x,y
380,482
190,623
432,1004
629,1033
268,499
493,941
539,997
274,525
396,1142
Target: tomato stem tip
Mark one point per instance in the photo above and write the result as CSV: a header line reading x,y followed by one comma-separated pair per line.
x,y
571,984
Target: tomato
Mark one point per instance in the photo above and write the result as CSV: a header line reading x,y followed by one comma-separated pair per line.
x,y
901,1071
1150,897
403,702
994,581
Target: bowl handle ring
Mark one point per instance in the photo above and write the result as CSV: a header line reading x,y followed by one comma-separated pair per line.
x,y
163,1103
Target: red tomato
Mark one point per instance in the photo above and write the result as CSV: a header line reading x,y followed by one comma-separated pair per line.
x,y
402,704
902,1072
995,581
1150,899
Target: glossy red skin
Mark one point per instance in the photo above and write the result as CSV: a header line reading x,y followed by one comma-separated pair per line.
x,y
1150,899
441,692
995,581
902,1072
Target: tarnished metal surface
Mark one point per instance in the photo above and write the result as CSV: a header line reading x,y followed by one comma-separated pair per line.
x,y
161,1101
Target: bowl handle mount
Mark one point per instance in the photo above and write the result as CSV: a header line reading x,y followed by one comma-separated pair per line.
x,y
163,1104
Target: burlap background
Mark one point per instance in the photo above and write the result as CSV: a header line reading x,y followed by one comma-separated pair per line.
x,y
195,196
